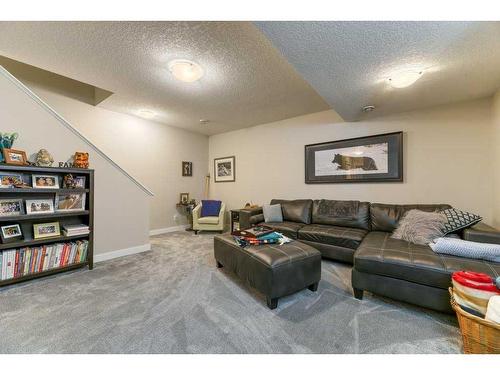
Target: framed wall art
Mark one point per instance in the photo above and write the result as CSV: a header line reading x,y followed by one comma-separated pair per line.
x,y
224,169
187,169
376,158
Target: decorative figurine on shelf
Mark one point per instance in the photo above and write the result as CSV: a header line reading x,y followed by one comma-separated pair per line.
x,y
69,182
81,160
6,141
44,158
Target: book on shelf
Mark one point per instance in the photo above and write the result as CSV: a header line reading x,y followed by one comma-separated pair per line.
x,y
76,229
31,260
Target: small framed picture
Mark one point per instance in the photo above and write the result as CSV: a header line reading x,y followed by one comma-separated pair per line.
x,y
39,206
187,169
46,230
70,202
224,169
11,233
41,181
10,180
74,182
14,157
80,182
184,198
11,207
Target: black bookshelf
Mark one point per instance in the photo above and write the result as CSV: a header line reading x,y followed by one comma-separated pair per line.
x,y
64,218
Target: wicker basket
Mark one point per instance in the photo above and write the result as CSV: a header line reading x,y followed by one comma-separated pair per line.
x,y
479,336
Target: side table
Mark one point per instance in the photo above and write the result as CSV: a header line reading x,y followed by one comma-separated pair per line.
x,y
188,209
235,220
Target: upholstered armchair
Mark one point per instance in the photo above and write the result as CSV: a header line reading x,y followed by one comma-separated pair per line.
x,y
209,223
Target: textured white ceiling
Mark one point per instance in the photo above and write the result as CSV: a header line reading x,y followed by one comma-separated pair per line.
x,y
348,63
246,81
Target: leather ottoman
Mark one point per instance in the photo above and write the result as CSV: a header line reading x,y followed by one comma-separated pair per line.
x,y
274,270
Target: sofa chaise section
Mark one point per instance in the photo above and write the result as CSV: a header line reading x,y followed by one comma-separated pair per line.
x,y
405,271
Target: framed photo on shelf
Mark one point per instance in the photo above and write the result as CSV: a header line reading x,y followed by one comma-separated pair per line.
x,y
80,182
10,180
184,199
14,157
224,169
46,230
376,158
42,181
187,169
69,202
74,182
11,207
11,233
39,206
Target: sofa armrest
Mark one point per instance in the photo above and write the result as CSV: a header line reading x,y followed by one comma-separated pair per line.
x,y
481,233
250,216
196,212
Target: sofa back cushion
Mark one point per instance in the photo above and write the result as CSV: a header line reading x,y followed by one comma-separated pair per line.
x,y
298,210
385,217
352,214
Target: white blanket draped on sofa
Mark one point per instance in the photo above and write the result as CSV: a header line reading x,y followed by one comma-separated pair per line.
x,y
466,249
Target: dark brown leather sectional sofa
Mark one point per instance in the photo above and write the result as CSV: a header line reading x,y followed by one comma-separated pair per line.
x,y
360,233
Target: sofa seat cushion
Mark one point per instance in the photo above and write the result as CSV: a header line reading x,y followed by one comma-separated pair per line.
x,y
382,255
288,228
333,235
209,220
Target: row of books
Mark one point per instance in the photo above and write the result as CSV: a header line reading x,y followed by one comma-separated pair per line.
x,y
29,260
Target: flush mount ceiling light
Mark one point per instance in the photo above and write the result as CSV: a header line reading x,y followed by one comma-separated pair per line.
x,y
185,70
146,113
368,108
404,78
204,121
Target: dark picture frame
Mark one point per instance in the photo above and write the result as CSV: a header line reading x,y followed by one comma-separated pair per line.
x,y
187,169
184,198
7,236
225,169
357,160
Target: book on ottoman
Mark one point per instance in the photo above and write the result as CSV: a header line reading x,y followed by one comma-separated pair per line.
x,y
254,232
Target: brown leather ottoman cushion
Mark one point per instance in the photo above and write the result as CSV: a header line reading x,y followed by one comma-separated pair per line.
x,y
274,270
333,235
381,255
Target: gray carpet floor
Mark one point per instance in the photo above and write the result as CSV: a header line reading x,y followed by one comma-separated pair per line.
x,y
174,300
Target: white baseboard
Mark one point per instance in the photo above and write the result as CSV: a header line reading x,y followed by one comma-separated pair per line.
x,y
121,253
155,232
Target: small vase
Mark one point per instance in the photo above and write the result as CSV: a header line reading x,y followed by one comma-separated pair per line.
x,y
6,141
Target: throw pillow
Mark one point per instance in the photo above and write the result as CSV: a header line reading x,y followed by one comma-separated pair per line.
x,y
420,227
272,213
210,208
459,220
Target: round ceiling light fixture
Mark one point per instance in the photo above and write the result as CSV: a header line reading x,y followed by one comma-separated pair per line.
x,y
368,108
204,121
185,70
404,78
